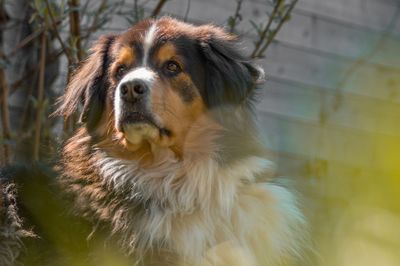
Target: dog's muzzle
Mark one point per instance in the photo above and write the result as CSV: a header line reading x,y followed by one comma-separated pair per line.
x,y
133,90
133,114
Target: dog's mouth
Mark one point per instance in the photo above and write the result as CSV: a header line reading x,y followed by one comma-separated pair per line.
x,y
136,118
139,126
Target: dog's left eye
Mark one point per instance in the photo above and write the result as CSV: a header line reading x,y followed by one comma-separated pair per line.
x,y
121,70
172,67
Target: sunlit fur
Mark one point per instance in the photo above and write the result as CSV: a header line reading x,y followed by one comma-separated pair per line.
x,y
202,194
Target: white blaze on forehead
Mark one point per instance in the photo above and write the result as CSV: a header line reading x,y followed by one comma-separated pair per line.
x,y
143,74
148,42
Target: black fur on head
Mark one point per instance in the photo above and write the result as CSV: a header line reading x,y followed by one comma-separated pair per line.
x,y
88,85
231,79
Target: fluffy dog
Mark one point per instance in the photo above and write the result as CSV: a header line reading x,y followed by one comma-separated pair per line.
x,y
168,156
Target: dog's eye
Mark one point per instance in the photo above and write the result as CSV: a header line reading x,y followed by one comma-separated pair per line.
x,y
121,70
172,67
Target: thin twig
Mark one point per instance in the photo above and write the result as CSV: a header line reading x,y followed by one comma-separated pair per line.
x,y
96,16
40,106
5,116
26,41
75,27
85,7
136,10
95,23
56,33
31,37
236,16
277,29
188,9
75,32
266,29
32,71
158,8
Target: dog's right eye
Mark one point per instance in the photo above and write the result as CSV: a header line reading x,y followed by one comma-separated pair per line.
x,y
121,70
172,67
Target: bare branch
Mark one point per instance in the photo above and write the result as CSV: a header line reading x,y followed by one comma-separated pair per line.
x,y
266,29
233,20
158,8
32,71
75,27
95,22
39,111
187,10
31,37
136,10
56,33
26,41
5,117
277,29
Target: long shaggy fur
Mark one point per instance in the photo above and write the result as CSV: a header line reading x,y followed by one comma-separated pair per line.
x,y
11,226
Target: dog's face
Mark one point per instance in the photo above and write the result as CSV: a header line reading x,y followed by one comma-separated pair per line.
x,y
157,79
150,84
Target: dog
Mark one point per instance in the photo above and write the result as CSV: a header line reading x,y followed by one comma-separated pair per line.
x,y
168,156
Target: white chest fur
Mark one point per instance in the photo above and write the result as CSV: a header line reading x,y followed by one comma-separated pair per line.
x,y
197,206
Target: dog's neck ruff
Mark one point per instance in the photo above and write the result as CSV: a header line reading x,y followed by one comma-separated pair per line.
x,y
186,206
181,185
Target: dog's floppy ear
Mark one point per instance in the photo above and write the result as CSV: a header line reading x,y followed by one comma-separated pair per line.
x,y
230,77
88,85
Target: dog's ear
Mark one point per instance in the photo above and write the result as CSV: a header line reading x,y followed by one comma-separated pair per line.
x,y
231,78
88,85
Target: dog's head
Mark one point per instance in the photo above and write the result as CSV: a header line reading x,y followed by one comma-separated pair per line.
x,y
153,81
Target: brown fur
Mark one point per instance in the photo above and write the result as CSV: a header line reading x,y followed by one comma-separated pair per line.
x,y
125,57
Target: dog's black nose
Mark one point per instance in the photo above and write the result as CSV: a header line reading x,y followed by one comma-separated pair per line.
x,y
133,90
